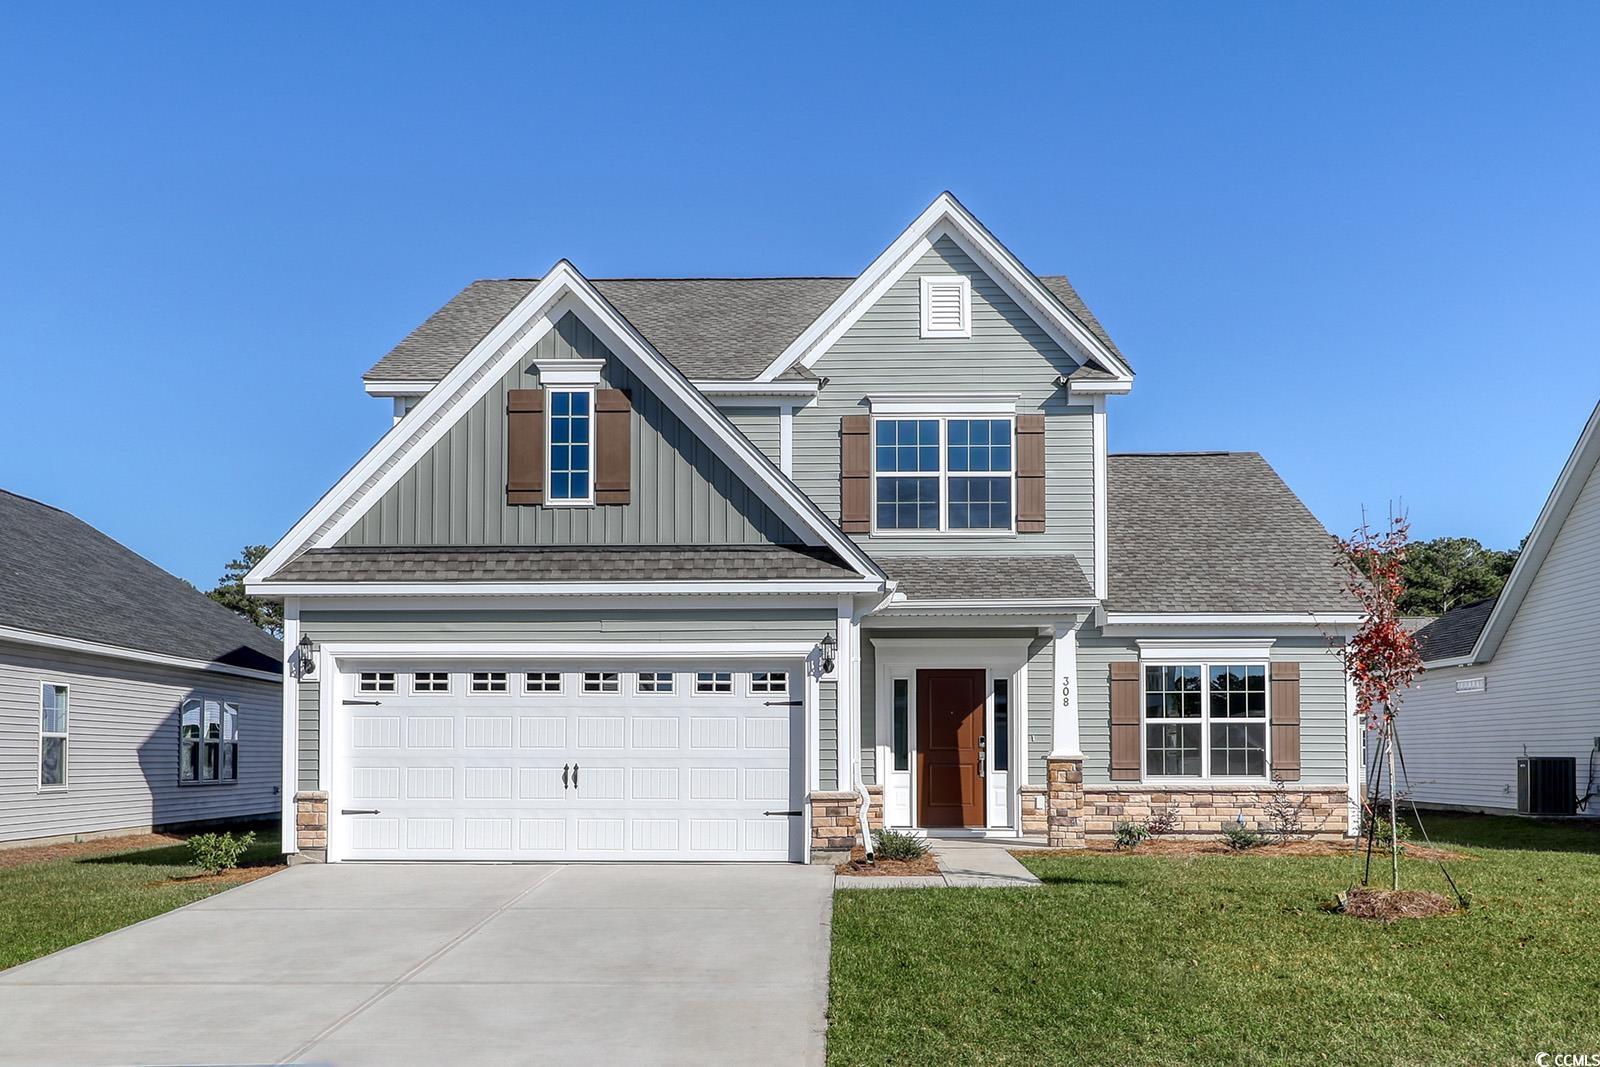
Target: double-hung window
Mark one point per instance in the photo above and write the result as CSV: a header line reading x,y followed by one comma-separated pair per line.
x,y
52,736
208,742
571,474
1205,719
944,475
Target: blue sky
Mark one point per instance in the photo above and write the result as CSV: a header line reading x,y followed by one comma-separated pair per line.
x,y
1357,238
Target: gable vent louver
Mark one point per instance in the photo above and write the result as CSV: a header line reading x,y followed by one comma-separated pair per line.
x,y
946,307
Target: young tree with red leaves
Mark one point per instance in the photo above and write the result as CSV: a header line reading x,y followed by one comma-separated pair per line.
x,y
1381,658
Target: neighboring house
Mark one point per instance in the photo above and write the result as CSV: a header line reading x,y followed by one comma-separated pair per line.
x,y
128,699
685,568
1496,690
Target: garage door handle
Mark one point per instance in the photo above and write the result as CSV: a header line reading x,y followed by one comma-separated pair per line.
x,y
359,811
563,776
783,813
574,776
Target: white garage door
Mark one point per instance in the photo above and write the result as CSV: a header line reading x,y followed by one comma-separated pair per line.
x,y
585,762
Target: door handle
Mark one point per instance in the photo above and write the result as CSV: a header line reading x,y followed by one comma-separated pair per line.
x,y
574,776
563,776
983,756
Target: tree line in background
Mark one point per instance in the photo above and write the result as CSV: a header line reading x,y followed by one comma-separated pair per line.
x,y
1441,574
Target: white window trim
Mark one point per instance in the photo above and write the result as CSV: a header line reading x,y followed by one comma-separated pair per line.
x,y
472,691
238,715
964,284
1168,658
549,448
449,683
66,741
527,684
943,475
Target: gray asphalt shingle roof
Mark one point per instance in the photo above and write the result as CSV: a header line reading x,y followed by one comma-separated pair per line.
x,y
715,328
1453,634
564,563
61,576
1031,577
1214,532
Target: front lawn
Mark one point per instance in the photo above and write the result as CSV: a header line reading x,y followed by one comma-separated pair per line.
x,y
57,900
1229,959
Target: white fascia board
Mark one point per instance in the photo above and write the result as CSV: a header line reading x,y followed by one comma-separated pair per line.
x,y
804,603
1569,485
945,217
398,387
570,650
95,648
1101,387
557,589
562,289
974,403
1203,618
997,606
784,390
1189,650
1441,664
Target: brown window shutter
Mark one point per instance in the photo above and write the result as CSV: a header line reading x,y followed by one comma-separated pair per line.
x,y
613,470
1286,721
1030,474
525,446
855,473
1124,722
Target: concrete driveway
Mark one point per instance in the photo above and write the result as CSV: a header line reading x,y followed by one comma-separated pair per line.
x,y
395,964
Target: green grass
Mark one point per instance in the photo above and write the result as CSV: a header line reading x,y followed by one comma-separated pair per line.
x,y
1128,959
49,905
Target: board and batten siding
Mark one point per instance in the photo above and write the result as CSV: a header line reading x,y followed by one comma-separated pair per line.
x,y
635,626
761,425
122,747
1324,721
1462,748
682,493
884,354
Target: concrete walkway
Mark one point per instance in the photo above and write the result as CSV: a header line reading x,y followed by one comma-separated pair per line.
x,y
355,964
965,863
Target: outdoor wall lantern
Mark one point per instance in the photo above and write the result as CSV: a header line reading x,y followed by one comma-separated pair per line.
x,y
828,647
308,663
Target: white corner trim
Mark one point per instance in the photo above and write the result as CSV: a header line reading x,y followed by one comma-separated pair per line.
x,y
946,216
1102,525
398,387
562,289
94,648
558,372
786,440
289,769
1183,650
936,404
932,284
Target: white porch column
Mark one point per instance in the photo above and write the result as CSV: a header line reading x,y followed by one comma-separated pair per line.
x,y
289,756
1064,744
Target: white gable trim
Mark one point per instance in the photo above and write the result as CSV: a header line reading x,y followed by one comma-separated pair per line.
x,y
946,217
1569,486
561,290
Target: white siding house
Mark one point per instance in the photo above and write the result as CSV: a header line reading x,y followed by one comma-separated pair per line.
x,y
128,700
1507,678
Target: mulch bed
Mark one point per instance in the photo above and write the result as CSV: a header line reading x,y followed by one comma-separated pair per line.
x,y
1214,846
1389,905
71,850
237,876
858,865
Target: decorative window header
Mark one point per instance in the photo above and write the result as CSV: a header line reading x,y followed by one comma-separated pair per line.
x,y
558,372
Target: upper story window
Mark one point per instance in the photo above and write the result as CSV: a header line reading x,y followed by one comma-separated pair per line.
x,y
571,457
944,475
946,306
1205,719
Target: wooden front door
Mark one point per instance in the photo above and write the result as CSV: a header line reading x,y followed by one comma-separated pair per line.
x,y
949,748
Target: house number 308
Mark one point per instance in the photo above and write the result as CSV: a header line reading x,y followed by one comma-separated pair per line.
x,y
1066,692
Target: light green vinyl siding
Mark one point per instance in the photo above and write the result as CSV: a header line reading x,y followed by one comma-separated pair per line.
x,y
682,493
760,425
633,626
884,354
1322,704
828,735
1041,694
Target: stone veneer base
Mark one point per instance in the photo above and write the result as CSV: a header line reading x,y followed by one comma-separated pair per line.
x,y
311,826
1202,809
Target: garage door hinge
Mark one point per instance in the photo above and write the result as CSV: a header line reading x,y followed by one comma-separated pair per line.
x,y
782,813
368,703
782,703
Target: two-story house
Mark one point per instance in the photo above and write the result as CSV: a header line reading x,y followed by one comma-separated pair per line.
x,y
701,568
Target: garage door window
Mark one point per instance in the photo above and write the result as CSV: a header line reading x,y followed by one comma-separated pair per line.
x,y
602,682
713,682
542,682
208,742
430,682
377,681
489,682
655,682
772,682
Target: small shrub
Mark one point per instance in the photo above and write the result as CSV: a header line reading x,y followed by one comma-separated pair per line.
x,y
215,853
1378,821
1284,815
1240,838
1162,821
894,845
1130,835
